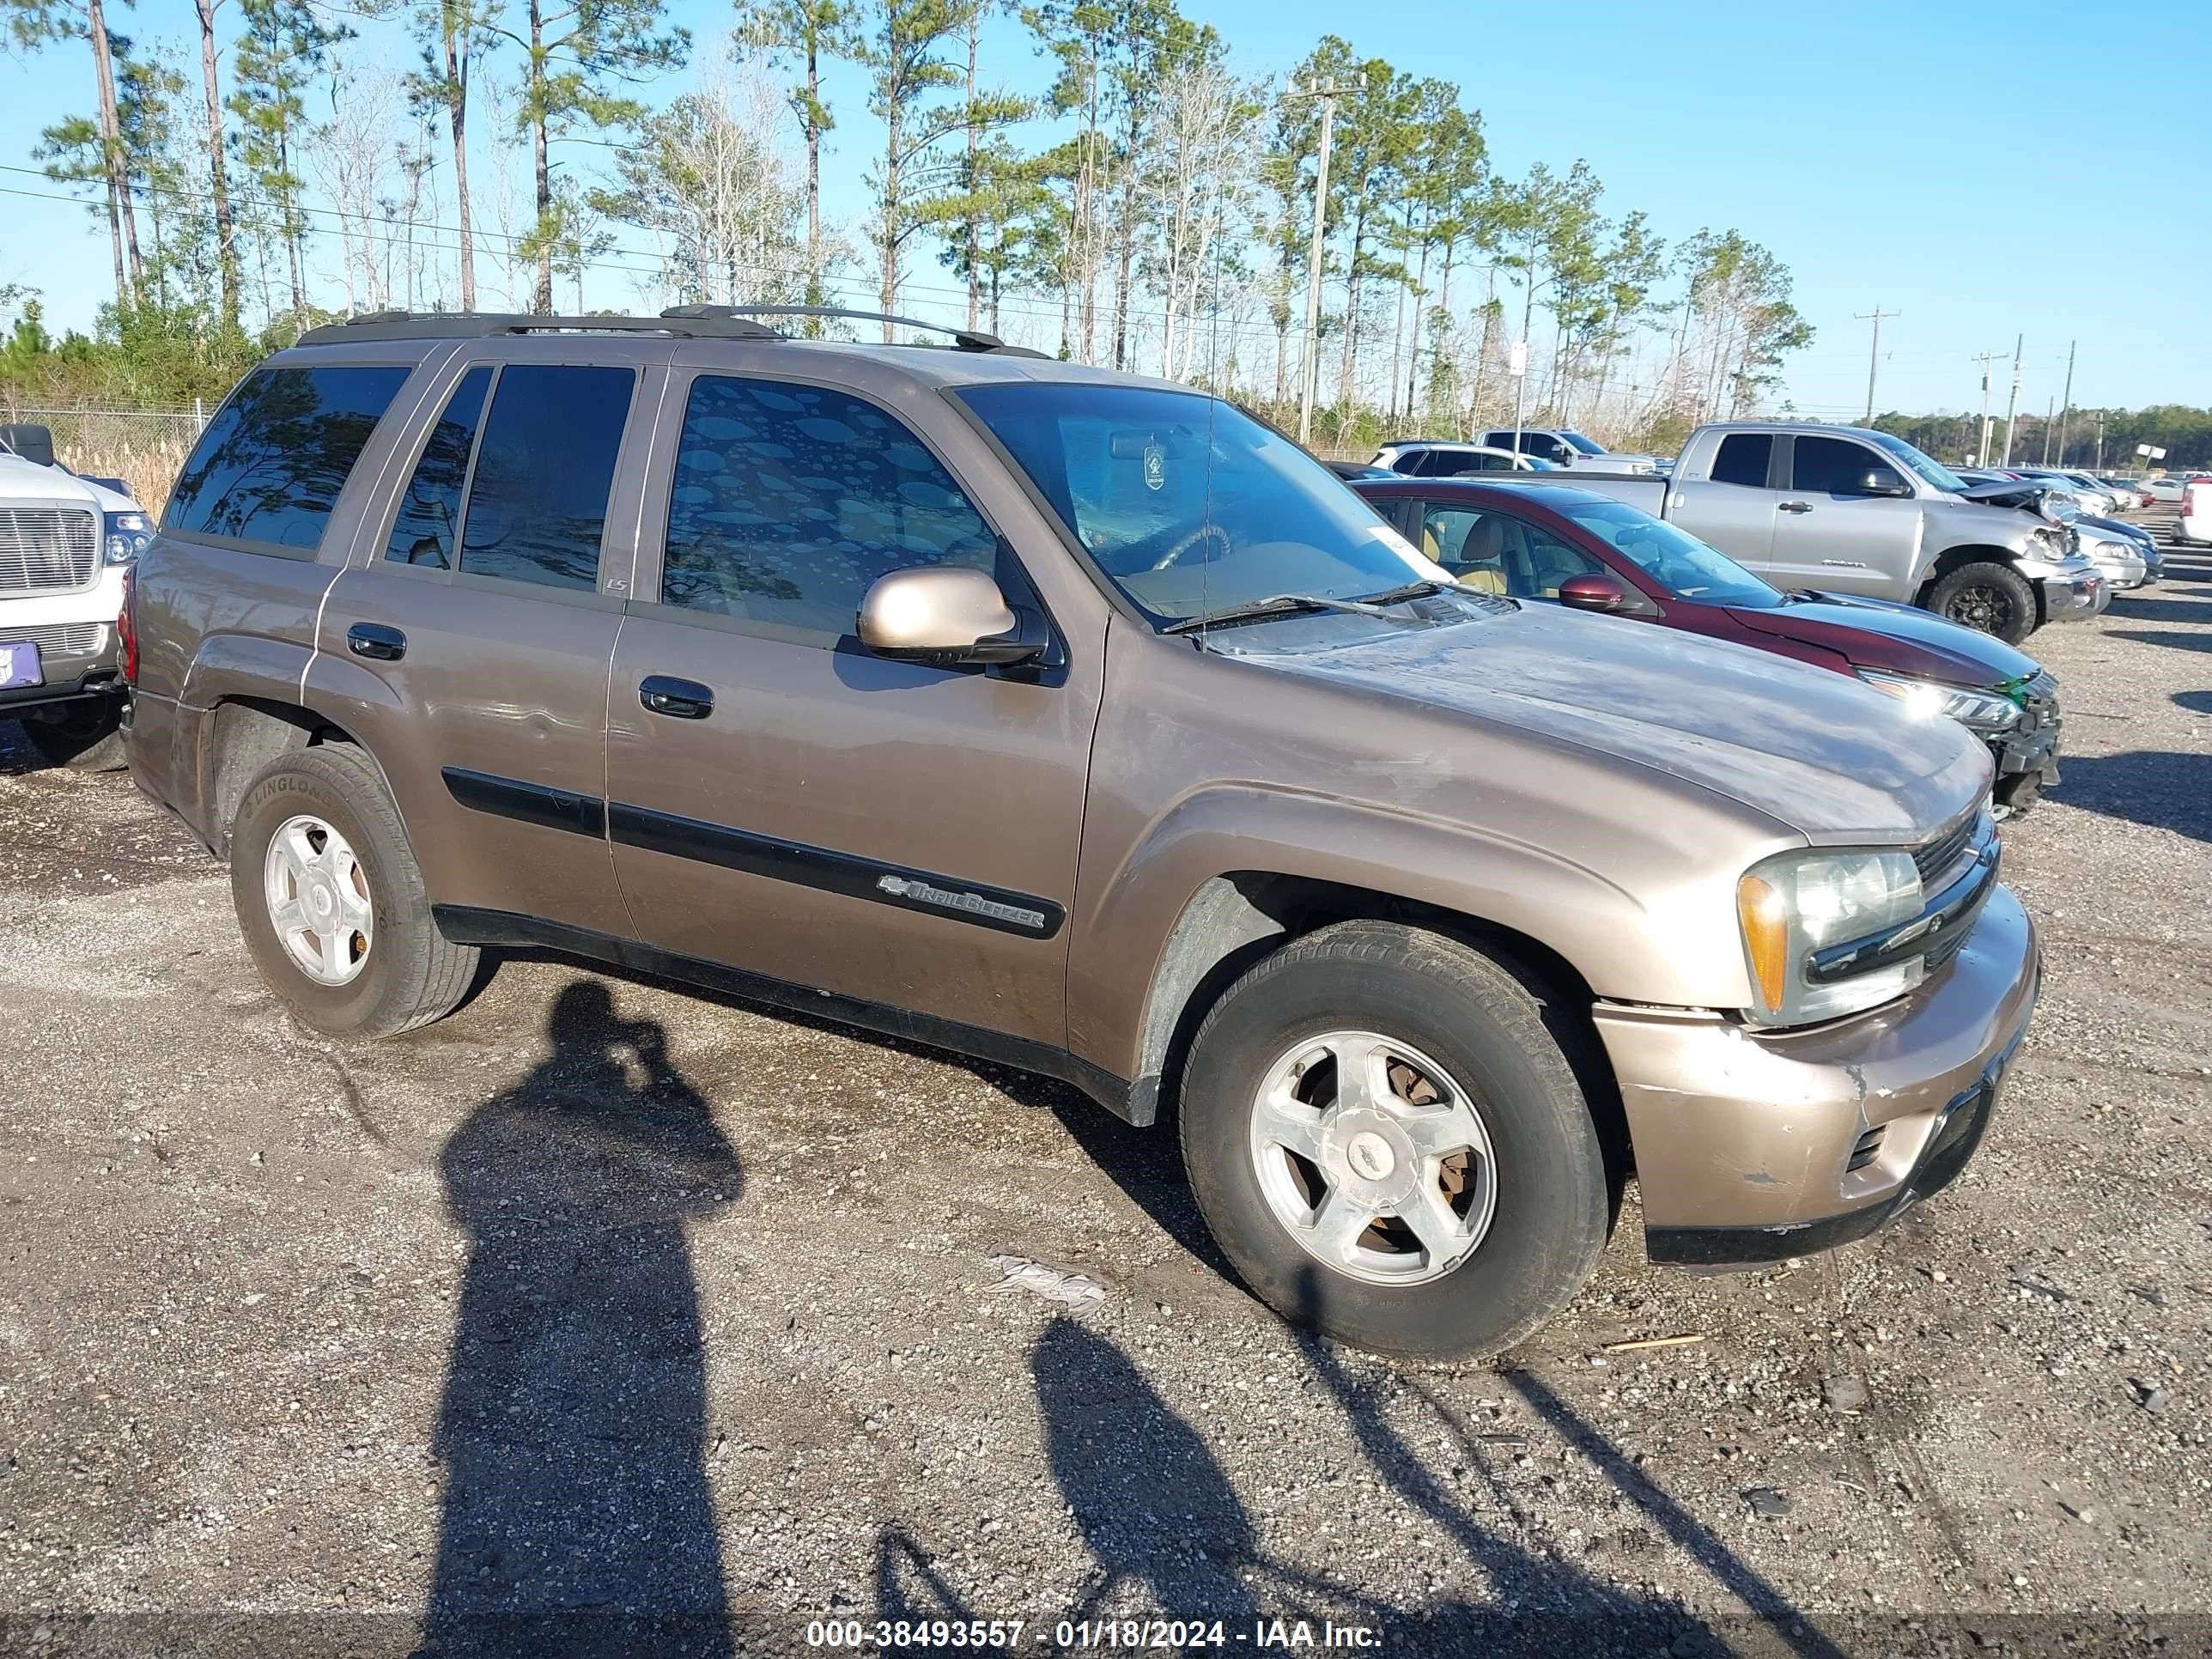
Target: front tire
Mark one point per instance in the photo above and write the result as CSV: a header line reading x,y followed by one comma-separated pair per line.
x,y
83,737
1989,598
1444,1203
331,901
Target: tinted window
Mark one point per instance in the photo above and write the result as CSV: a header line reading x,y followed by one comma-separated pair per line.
x,y
428,526
270,464
1189,505
790,500
1498,553
1835,466
1682,562
538,503
1743,458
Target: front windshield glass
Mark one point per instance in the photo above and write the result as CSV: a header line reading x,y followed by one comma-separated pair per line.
x,y
1930,470
1682,562
1588,447
1190,506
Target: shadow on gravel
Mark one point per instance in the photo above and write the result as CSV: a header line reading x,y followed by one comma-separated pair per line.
x,y
2180,642
2128,608
2166,790
577,1516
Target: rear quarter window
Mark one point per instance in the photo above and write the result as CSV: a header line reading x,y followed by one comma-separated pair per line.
x,y
271,465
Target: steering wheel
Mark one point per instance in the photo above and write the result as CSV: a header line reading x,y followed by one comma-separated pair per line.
x,y
1208,532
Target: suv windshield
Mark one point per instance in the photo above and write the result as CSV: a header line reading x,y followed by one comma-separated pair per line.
x,y
1189,505
1929,468
1679,560
1588,447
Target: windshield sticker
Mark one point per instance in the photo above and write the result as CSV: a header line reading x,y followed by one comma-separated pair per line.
x,y
1156,466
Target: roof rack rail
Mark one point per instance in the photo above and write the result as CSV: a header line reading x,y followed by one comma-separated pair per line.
x,y
965,339
479,325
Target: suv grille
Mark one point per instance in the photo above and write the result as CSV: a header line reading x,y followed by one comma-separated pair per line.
x,y
1941,854
59,639
47,550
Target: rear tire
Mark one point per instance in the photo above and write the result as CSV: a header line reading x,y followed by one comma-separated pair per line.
x,y
1441,1005
83,737
1989,598
398,971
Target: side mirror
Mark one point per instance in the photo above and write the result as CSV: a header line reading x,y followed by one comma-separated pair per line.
x,y
1876,482
32,443
1594,591
945,615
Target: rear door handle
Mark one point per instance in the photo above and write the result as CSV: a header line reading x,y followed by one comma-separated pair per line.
x,y
375,639
1796,507
680,700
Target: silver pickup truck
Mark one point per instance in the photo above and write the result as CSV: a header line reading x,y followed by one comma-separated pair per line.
x,y
1848,510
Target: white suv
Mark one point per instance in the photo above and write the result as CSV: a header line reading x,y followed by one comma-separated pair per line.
x,y
65,545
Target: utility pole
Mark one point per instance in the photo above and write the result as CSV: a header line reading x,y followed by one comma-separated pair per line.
x,y
2100,440
1982,449
2066,406
1309,371
2050,418
2012,406
1874,356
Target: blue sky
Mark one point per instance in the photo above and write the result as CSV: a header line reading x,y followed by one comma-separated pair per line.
x,y
1894,155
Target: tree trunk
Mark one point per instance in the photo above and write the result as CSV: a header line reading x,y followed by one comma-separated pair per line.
x,y
457,119
538,164
218,178
111,145
1346,393
1420,291
975,35
1125,233
892,122
814,285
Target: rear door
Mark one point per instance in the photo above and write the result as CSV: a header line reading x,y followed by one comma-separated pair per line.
x,y
1732,506
1829,533
473,629
783,802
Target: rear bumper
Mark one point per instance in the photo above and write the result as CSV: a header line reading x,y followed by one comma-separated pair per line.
x,y
1745,1142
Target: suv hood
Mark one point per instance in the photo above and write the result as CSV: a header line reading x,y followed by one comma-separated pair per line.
x,y
1901,639
1828,756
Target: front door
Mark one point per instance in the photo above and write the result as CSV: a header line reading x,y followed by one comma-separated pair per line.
x,y
1829,533
783,802
473,637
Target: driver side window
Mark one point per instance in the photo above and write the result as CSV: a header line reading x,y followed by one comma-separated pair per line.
x,y
1837,467
789,501
1496,553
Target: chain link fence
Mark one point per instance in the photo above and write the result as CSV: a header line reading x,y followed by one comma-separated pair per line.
x,y
144,447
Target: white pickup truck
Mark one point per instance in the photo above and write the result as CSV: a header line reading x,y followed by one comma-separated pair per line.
x,y
65,543
1849,510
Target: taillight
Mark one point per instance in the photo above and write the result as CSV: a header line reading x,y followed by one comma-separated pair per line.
x,y
126,626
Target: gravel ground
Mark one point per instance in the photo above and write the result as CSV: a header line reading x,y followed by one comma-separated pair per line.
x,y
601,1318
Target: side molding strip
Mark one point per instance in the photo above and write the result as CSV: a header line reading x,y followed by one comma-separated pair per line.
x,y
999,908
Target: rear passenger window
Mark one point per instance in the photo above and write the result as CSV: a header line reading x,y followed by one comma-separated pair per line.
x,y
1743,458
270,464
790,500
428,528
538,501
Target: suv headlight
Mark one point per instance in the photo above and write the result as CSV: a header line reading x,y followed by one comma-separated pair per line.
x,y
1796,903
125,536
1982,711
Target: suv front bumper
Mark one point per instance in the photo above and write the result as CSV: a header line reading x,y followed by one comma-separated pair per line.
x,y
1744,1140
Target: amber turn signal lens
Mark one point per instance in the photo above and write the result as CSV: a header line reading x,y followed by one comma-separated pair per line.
x,y
1765,936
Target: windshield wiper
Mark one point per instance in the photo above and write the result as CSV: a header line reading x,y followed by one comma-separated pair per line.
x,y
1419,589
1283,604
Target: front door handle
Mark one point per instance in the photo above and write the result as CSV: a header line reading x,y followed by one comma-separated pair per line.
x,y
1796,507
375,639
680,700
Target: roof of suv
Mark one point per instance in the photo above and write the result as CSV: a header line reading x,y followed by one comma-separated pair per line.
x,y
973,358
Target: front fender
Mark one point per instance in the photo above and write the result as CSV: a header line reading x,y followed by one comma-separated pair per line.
x,y
1683,950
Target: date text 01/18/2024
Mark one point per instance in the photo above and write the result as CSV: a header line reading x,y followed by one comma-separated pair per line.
x,y
1075,1635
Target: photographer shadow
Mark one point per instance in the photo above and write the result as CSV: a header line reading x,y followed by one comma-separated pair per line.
x,y
577,1518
